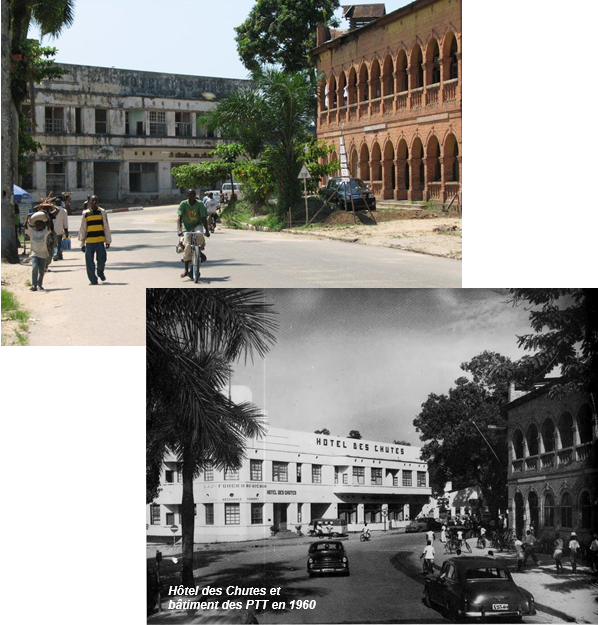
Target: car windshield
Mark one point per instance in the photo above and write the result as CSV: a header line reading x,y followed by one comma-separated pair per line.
x,y
486,573
327,547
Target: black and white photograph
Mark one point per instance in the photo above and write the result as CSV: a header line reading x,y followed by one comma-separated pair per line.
x,y
379,456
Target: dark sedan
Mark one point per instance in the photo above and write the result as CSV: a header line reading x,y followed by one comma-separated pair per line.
x,y
327,557
477,588
348,193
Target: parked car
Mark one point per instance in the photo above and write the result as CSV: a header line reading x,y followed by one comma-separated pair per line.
x,y
327,527
424,524
477,587
338,191
327,557
226,191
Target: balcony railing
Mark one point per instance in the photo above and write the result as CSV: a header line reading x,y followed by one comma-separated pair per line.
x,y
547,460
517,466
450,90
565,455
435,191
416,97
531,464
584,451
432,95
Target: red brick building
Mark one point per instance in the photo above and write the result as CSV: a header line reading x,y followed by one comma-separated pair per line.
x,y
392,89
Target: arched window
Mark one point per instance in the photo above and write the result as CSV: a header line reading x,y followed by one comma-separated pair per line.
x,y
418,70
363,84
376,86
548,435
518,444
532,440
585,505
402,72
566,511
454,65
532,499
434,168
387,76
376,162
433,57
342,90
332,93
364,163
549,510
323,95
352,88
584,424
566,430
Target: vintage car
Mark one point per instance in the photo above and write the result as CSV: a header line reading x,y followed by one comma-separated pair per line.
x,y
477,588
423,524
348,193
327,557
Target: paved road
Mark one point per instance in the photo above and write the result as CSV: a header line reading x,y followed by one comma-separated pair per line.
x,y
239,258
385,585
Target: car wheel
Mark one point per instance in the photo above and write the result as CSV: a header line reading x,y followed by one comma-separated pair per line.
x,y
427,601
335,534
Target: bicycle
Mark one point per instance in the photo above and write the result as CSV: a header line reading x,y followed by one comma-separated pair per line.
x,y
428,567
212,222
454,544
196,256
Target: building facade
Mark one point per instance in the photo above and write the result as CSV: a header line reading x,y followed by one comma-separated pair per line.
x,y
118,133
553,456
392,89
289,478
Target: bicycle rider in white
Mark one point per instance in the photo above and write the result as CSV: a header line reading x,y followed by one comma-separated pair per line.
x,y
212,205
192,217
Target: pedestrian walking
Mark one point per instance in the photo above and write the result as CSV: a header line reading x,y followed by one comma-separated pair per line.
x,y
96,238
61,229
594,553
558,552
574,548
36,228
519,551
443,534
430,536
530,541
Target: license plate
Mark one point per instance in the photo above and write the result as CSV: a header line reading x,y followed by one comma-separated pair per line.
x,y
500,606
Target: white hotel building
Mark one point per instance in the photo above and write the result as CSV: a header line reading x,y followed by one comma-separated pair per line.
x,y
289,478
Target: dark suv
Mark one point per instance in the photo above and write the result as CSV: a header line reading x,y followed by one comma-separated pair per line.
x,y
346,188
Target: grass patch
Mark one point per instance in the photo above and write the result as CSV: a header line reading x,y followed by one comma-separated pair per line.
x,y
12,311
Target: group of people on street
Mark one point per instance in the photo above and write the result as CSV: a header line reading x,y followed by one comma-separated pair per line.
x,y
47,227
525,549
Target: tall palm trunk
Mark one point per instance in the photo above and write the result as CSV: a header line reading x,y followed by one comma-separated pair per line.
x,y
188,518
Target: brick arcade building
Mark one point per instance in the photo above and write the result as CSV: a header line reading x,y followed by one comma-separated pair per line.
x,y
392,89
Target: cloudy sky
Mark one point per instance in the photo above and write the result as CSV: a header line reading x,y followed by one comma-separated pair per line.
x,y
367,359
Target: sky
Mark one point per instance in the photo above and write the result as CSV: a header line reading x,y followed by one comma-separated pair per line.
x,y
193,37
367,359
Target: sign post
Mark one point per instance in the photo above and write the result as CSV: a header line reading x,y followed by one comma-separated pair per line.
x,y
385,514
305,175
174,529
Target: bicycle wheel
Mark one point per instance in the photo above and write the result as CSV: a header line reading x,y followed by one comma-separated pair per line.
x,y
466,545
449,547
196,263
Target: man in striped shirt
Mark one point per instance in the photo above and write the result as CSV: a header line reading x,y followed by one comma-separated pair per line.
x,y
96,238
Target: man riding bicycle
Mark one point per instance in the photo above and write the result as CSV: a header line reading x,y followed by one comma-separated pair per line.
x,y
192,217
212,205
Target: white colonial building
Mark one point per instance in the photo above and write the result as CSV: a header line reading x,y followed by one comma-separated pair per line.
x,y
118,133
289,478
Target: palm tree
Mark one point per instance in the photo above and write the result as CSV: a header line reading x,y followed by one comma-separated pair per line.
x,y
192,340
271,120
51,16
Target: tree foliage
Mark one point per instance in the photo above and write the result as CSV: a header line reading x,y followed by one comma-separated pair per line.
x,y
405,443
565,337
355,434
282,32
324,431
458,444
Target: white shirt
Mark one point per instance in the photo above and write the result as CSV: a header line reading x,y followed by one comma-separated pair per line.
x,y
212,205
430,535
429,552
61,222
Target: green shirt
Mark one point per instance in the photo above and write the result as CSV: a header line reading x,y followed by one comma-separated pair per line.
x,y
192,214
